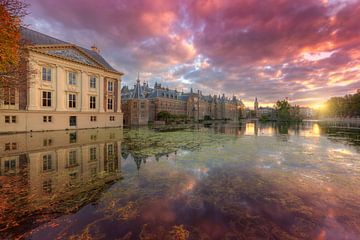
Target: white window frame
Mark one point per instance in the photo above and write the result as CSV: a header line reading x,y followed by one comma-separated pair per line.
x,y
92,82
92,102
48,159
47,98
110,103
46,73
110,86
72,100
72,78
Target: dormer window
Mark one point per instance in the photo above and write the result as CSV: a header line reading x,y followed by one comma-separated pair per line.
x,y
110,86
72,78
46,74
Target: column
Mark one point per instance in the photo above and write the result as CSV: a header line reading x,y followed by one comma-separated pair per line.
x,y
101,94
83,91
60,89
34,98
119,96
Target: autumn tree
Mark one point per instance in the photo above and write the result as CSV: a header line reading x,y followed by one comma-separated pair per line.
x,y
11,68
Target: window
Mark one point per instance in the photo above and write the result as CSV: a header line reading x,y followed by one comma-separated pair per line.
x,y
7,147
110,149
47,118
46,74
72,100
92,102
93,137
110,104
112,118
93,118
47,142
93,154
72,120
92,82
10,119
72,78
46,99
110,86
142,105
47,163
9,95
72,158
47,186
72,137
10,165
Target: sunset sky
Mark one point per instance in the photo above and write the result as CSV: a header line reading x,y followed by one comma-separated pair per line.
x,y
306,50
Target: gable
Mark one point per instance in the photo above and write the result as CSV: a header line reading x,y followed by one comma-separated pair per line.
x,y
67,52
71,54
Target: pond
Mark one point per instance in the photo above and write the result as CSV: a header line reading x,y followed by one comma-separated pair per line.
x,y
219,181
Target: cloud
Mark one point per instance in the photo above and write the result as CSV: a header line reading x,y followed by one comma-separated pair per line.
x,y
271,49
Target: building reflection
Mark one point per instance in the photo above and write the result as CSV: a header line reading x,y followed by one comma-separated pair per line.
x,y
56,172
230,129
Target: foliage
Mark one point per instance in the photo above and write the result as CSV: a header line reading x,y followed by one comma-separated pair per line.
x,y
12,68
168,117
285,112
11,12
347,106
207,118
264,118
165,116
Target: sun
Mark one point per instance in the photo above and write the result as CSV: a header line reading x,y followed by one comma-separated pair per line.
x,y
318,106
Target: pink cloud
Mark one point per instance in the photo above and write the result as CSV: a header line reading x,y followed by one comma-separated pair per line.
x,y
252,47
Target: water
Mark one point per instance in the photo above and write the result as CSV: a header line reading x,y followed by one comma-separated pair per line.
x,y
251,181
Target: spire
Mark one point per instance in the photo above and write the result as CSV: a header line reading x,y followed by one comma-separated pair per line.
x,y
138,91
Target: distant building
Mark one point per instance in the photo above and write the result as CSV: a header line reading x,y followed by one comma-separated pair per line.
x,y
68,87
307,112
136,107
192,106
266,111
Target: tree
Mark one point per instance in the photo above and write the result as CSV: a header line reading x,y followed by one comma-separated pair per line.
x,y
12,69
164,116
347,106
285,112
282,108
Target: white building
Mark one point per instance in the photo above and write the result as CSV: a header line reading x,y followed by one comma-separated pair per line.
x,y
69,87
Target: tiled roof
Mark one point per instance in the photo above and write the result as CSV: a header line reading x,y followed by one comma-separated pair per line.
x,y
32,37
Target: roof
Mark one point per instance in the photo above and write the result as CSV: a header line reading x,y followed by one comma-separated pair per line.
x,y
138,93
32,37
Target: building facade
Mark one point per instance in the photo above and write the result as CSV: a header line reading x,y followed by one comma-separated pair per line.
x,y
68,87
191,105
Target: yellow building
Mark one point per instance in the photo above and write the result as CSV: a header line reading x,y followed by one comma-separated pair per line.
x,y
68,87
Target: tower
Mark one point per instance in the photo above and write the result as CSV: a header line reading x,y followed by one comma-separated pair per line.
x,y
256,107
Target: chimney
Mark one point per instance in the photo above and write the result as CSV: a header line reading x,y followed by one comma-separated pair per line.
x,y
95,49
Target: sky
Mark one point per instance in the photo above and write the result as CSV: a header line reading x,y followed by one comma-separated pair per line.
x,y
303,50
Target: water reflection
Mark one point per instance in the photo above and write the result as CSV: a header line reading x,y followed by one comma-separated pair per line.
x,y
53,173
221,181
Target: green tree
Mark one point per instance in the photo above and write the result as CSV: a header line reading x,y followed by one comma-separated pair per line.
x,y
347,106
282,108
164,116
285,112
